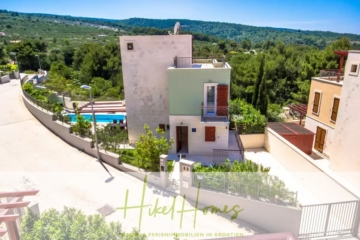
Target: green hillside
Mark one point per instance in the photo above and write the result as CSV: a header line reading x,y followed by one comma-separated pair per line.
x,y
239,32
84,29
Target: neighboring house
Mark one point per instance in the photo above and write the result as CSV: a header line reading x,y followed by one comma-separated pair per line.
x,y
166,87
333,113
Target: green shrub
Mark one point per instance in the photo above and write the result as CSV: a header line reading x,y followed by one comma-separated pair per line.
x,y
246,118
245,179
30,72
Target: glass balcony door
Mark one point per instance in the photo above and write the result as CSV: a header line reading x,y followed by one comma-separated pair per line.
x,y
210,102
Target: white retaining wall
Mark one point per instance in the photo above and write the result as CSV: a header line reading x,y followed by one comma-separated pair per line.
x,y
250,141
87,145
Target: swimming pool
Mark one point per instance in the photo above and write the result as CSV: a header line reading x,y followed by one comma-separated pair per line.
x,y
100,117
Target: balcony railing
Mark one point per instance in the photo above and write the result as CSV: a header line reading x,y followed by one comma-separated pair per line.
x,y
331,75
214,114
198,62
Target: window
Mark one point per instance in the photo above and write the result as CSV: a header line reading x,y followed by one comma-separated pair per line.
x,y
210,134
162,126
353,68
168,127
316,104
130,46
335,109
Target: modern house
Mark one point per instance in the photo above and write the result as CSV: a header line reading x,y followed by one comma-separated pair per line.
x,y
198,104
333,114
166,87
145,60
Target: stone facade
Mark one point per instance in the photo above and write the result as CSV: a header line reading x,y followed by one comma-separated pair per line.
x,y
146,80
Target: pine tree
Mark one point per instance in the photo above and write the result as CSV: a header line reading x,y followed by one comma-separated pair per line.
x,y
262,101
258,81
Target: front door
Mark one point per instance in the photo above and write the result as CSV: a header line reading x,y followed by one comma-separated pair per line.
x,y
210,100
320,139
181,139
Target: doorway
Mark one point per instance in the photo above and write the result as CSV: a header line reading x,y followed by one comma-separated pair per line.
x,y
182,139
320,139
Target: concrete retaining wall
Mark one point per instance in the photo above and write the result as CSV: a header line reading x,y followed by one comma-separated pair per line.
x,y
5,79
86,145
301,167
252,140
270,217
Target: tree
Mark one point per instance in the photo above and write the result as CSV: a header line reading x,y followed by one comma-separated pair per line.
x,y
26,51
81,127
111,136
149,148
68,53
233,44
258,80
246,44
262,101
58,84
73,224
2,55
222,45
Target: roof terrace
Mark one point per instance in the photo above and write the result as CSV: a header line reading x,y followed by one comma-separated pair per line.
x,y
200,62
331,75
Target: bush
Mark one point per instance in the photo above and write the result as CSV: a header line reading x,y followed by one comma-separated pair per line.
x,y
30,72
246,118
72,224
245,179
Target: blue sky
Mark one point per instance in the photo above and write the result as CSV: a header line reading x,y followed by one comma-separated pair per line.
x,y
326,15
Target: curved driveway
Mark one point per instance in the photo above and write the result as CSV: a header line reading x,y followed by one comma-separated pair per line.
x,y
32,157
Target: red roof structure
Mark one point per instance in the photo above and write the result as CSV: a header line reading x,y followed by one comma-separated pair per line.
x,y
300,108
299,136
7,213
342,54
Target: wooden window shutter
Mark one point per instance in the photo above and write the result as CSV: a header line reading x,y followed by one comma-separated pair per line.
x,y
162,126
316,102
335,109
210,134
320,139
222,100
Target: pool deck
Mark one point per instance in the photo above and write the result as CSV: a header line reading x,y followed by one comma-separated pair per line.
x,y
103,107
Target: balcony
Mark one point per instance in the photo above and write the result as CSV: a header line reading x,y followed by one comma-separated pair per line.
x,y
214,113
331,75
191,62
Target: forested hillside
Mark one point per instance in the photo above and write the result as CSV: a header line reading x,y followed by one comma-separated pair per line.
x,y
86,51
239,32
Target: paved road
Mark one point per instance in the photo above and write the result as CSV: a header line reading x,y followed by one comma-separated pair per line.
x,y
31,157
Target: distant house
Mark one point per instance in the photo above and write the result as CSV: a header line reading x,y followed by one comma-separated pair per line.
x,y
15,41
101,35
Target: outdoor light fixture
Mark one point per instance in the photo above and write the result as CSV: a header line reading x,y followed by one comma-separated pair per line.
x,y
93,114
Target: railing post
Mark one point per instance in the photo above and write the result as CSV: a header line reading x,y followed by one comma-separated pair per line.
x,y
327,219
175,62
356,225
295,200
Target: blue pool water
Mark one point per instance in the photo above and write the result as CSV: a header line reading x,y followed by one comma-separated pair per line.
x,y
100,118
